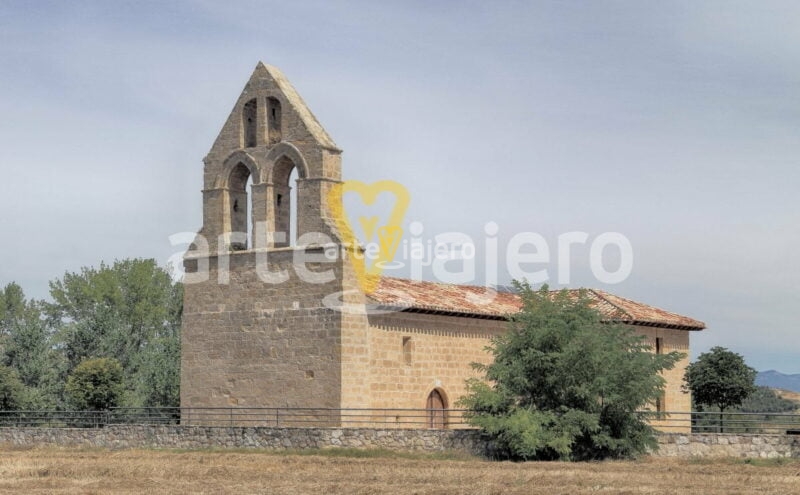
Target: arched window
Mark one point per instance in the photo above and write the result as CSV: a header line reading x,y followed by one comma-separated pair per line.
x,y
293,207
284,177
250,124
249,190
239,197
274,120
436,405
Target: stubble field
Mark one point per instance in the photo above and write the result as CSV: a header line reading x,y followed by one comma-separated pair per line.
x,y
62,470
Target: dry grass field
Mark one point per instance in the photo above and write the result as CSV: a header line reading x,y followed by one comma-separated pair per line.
x,y
788,394
61,470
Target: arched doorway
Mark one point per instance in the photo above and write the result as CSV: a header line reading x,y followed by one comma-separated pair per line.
x,y
436,406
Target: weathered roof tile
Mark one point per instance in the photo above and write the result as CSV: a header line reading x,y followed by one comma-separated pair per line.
x,y
477,301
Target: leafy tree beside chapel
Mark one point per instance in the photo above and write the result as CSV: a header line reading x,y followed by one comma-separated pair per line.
x,y
28,350
129,312
719,378
566,385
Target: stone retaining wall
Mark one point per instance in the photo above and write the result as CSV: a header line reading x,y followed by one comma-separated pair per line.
x,y
728,445
189,437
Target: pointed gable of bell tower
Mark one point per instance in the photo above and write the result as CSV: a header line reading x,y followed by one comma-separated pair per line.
x,y
260,326
269,133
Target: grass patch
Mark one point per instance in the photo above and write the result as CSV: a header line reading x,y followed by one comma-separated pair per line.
x,y
9,447
349,452
775,462
345,471
738,461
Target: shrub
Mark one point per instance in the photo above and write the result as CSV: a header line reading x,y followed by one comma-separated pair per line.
x,y
566,385
11,389
95,384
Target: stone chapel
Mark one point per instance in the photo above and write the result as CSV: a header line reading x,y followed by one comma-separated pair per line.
x,y
257,334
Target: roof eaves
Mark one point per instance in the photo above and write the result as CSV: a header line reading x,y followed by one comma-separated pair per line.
x,y
605,299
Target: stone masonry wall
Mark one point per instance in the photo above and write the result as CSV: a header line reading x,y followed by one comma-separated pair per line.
x,y
437,355
728,445
252,344
439,351
675,399
189,437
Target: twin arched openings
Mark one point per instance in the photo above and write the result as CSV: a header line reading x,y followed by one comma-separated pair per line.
x,y
255,208
271,118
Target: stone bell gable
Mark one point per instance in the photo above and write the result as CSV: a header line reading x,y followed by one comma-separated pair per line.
x,y
256,332
269,133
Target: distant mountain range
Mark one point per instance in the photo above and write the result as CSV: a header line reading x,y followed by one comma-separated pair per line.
x,y
776,379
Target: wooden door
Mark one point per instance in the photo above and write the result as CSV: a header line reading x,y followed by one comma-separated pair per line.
x,y
435,407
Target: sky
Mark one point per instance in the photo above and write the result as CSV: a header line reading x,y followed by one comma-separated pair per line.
x,y
673,123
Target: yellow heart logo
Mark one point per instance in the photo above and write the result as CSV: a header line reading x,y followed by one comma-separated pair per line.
x,y
389,235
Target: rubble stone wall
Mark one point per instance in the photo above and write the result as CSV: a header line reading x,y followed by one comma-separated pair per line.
x,y
421,440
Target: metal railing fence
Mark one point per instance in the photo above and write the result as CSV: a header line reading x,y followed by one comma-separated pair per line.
x,y
242,416
726,422
296,417
668,422
54,419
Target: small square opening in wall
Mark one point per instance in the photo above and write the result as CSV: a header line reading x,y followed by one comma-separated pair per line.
x,y
661,406
408,349
190,266
309,374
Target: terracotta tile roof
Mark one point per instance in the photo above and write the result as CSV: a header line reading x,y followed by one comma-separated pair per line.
x,y
468,300
643,314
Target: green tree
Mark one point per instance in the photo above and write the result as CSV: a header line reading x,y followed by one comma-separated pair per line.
x,y
719,378
11,389
12,305
129,311
158,382
28,348
95,384
566,385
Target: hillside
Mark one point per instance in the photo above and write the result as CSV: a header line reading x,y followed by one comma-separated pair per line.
x,y
789,395
776,379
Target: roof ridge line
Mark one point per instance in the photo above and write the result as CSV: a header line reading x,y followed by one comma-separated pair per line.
x,y
604,298
436,282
